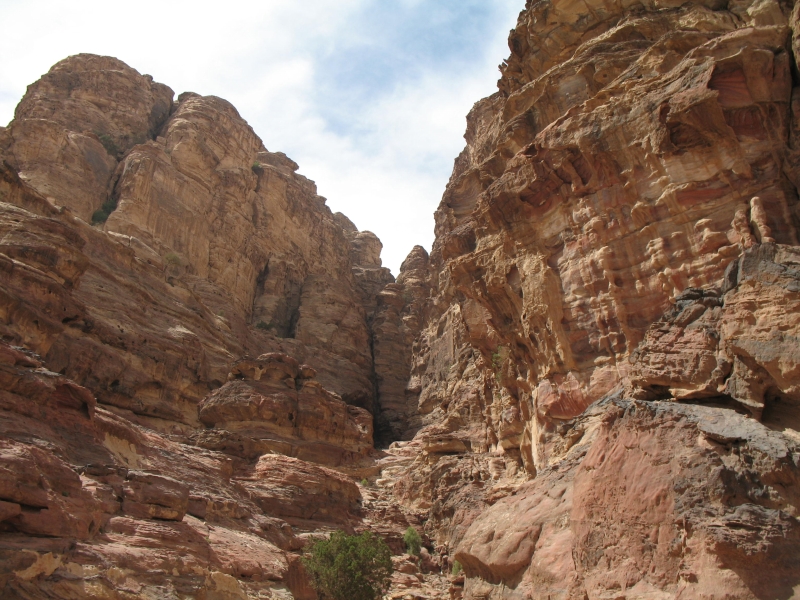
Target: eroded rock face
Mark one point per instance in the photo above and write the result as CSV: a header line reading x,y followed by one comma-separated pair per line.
x,y
590,384
79,119
145,451
566,244
654,499
214,247
86,492
273,404
739,346
397,322
623,219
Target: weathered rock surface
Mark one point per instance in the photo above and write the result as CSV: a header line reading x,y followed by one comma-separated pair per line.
x,y
214,247
655,499
74,124
739,347
397,323
589,388
623,219
272,404
145,452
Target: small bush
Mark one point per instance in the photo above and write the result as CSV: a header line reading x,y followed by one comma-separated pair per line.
x,y
457,568
497,360
263,325
365,482
173,259
108,143
257,167
349,567
413,541
101,214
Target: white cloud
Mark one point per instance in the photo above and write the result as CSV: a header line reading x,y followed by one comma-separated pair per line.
x,y
316,79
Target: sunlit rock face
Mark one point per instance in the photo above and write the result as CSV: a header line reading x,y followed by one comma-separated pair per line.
x,y
590,385
621,226
185,386
633,160
213,247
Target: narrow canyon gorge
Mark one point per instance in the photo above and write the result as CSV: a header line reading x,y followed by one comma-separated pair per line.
x,y
588,389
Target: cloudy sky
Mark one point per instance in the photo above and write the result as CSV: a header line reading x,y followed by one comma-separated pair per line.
x,y
367,96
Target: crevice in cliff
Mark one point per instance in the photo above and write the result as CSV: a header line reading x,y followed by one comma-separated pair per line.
x,y
276,302
377,435
781,412
721,401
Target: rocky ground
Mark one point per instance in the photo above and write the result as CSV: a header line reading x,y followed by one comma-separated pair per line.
x,y
589,388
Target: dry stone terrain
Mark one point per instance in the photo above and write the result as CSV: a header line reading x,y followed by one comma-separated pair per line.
x,y
588,389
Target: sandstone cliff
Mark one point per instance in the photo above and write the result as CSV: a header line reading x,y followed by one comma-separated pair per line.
x,y
213,247
605,377
186,363
589,388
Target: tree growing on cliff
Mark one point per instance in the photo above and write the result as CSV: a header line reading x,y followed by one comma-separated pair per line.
x,y
349,567
413,541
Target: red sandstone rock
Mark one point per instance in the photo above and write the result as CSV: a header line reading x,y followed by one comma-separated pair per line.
x,y
581,249
149,313
619,227
137,323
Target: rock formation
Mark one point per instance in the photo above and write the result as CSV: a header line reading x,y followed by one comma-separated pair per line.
x,y
605,371
186,359
588,389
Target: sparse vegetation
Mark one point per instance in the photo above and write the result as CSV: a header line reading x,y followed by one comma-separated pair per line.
x,y
413,541
349,567
497,363
108,143
101,214
173,259
365,482
457,568
265,326
257,167
497,360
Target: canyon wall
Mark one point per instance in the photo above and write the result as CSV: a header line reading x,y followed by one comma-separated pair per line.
x,y
212,247
187,373
605,374
588,389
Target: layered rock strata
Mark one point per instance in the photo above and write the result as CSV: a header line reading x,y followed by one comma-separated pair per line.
x,y
618,235
186,349
590,384
95,505
213,247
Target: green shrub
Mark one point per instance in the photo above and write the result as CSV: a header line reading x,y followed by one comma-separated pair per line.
x,y
263,325
108,143
101,214
173,259
365,482
457,568
349,567
413,541
497,364
257,167
497,360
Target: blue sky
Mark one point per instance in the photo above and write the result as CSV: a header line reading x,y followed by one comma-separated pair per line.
x,y
367,96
